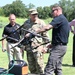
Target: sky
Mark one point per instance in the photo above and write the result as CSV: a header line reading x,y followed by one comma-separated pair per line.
x,y
37,3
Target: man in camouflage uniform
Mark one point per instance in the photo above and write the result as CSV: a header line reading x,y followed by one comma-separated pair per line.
x,y
35,56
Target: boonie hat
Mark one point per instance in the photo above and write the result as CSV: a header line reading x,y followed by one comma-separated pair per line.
x,y
33,11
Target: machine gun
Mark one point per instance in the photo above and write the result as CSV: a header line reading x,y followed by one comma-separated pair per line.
x,y
25,41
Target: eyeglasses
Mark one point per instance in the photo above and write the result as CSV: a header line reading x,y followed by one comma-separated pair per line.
x,y
53,10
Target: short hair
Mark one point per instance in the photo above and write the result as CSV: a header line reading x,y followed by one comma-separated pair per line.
x,y
12,15
56,6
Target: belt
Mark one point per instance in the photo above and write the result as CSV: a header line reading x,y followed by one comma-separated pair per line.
x,y
59,44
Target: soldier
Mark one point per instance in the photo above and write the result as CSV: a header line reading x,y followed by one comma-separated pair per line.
x,y
35,56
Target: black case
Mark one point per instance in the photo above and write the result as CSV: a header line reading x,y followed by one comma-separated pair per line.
x,y
18,67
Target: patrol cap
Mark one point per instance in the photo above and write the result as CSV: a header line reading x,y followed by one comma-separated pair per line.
x,y
33,11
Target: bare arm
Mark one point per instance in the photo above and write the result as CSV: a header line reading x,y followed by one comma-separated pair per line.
x,y
72,28
45,28
3,45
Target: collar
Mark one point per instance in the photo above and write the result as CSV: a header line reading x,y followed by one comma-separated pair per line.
x,y
37,21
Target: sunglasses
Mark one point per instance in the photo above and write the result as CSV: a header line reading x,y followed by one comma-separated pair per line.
x,y
53,10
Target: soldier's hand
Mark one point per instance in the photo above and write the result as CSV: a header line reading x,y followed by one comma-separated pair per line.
x,y
27,35
44,50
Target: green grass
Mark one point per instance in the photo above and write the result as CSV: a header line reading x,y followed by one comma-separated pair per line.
x,y
5,20
67,60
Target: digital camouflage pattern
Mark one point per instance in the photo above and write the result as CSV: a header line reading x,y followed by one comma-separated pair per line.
x,y
35,57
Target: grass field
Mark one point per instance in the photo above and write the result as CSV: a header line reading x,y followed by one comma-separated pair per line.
x,y
67,60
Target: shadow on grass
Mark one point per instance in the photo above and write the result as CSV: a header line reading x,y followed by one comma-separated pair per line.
x,y
67,65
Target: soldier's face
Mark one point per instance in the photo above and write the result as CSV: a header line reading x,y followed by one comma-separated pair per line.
x,y
33,16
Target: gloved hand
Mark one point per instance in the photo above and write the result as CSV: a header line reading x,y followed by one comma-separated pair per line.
x,y
29,35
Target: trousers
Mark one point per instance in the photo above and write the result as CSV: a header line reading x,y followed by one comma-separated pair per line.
x,y
35,61
73,55
13,52
55,60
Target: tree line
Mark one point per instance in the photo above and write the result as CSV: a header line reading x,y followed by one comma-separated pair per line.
x,y
21,10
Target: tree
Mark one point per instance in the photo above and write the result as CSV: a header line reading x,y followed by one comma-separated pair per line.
x,y
68,8
17,8
40,10
1,11
72,16
7,9
30,6
46,12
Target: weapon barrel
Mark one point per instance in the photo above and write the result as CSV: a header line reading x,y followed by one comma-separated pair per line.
x,y
35,34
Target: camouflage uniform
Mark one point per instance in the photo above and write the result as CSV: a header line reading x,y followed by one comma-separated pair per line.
x,y
35,57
